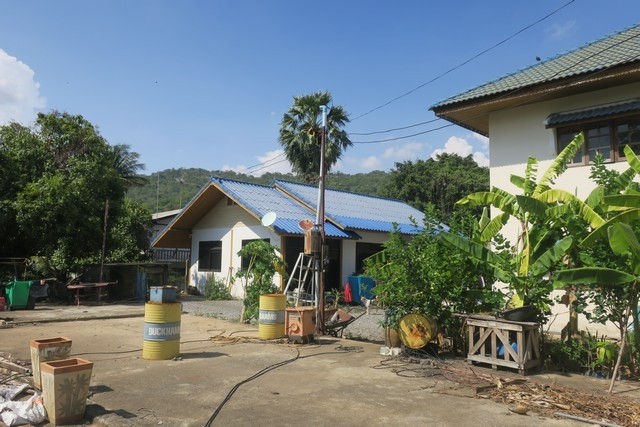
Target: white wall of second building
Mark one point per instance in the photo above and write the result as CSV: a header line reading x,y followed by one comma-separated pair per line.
x,y
519,133
229,224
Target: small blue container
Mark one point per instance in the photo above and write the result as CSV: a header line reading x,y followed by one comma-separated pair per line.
x,y
161,294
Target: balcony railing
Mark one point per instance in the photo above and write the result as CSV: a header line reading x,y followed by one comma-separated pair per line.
x,y
171,255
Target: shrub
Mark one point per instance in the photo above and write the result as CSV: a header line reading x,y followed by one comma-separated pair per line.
x,y
215,289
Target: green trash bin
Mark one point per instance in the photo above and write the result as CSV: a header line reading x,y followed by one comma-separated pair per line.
x,y
18,295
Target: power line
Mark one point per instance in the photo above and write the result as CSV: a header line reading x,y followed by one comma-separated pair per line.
x,y
465,62
514,91
404,137
392,130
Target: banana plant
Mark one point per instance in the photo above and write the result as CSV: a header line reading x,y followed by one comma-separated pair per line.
x,y
539,246
623,241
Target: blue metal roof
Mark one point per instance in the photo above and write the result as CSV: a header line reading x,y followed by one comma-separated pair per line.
x,y
260,199
357,211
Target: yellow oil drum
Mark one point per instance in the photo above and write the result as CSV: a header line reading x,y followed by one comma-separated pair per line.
x,y
161,331
271,316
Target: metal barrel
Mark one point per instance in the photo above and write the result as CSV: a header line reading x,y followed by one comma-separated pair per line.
x,y
161,331
271,316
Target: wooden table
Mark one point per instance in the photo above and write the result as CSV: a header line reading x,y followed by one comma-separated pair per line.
x,y
520,342
97,286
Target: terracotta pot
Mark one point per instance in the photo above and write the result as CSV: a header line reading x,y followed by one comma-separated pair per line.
x,y
45,351
65,387
391,337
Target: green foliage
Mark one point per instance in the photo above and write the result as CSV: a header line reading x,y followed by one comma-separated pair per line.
x,y
425,275
54,183
541,244
215,289
570,356
301,134
258,277
439,182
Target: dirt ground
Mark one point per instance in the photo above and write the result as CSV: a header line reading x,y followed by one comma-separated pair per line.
x,y
226,376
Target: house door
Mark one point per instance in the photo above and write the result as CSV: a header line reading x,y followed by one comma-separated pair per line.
x,y
293,245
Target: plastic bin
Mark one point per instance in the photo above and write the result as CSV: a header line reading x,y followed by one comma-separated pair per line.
x,y
18,294
361,286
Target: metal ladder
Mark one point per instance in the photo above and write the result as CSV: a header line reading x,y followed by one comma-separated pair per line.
x,y
299,277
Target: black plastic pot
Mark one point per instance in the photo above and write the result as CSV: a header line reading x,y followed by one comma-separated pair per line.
x,y
527,313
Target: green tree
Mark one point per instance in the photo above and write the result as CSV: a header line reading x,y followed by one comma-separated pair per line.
x,y
439,182
301,134
425,275
53,190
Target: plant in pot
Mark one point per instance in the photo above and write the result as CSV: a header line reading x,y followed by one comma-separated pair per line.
x,y
257,279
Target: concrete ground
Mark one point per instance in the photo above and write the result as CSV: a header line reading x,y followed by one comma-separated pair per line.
x,y
224,369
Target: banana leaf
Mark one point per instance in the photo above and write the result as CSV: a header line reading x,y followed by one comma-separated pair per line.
x,y
592,276
545,262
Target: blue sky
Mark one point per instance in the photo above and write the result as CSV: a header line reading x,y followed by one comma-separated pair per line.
x,y
205,83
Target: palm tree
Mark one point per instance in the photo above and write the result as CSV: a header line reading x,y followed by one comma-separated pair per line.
x,y
125,162
301,134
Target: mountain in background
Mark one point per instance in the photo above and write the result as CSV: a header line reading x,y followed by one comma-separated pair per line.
x,y
173,188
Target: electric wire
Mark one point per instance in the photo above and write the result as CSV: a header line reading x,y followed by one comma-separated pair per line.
x,y
515,91
394,129
264,165
465,62
510,93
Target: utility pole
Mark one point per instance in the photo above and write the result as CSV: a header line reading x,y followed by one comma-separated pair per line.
x,y
319,262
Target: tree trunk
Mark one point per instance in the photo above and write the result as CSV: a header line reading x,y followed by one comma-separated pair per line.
x,y
624,338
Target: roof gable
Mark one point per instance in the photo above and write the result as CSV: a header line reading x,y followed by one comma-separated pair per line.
x,y
618,49
610,62
346,212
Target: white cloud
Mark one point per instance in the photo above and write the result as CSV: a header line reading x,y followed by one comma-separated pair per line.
x,y
407,151
559,31
483,140
272,161
19,92
462,147
371,163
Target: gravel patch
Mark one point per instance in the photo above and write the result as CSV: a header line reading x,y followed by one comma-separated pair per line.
x,y
365,328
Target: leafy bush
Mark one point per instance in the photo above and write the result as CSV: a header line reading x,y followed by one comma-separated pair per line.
x,y
258,277
215,289
425,275
570,356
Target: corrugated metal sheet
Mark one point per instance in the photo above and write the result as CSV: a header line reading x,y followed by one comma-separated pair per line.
x,y
358,212
618,49
260,199
558,119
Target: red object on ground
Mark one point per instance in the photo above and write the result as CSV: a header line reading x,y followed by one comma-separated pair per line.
x,y
347,293
2,303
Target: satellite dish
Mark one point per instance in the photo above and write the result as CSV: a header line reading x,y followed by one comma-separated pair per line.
x,y
305,224
268,218
416,330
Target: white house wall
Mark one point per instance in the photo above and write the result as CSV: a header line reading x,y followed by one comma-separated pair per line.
x,y
231,225
349,250
519,133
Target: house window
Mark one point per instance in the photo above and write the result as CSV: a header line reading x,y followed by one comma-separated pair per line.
x,y
607,138
210,256
244,264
